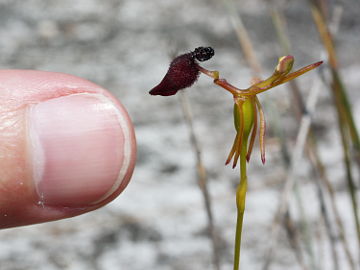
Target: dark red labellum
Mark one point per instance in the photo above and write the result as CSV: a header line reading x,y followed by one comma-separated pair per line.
x,y
183,72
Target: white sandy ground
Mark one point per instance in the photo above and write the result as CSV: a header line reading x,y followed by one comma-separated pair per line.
x,y
159,221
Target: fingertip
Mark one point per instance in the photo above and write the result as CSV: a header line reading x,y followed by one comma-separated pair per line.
x,y
79,149
76,142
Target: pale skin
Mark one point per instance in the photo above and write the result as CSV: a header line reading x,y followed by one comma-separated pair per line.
x,y
25,178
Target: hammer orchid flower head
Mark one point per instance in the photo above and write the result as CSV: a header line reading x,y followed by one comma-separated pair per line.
x,y
184,71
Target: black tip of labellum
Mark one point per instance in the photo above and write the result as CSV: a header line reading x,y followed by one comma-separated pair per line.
x,y
183,72
203,53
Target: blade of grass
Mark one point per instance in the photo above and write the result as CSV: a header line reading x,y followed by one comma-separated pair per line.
x,y
338,85
293,232
328,226
293,235
279,22
290,180
325,182
243,37
202,178
305,228
345,118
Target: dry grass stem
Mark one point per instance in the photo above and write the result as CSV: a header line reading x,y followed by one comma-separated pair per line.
x,y
202,178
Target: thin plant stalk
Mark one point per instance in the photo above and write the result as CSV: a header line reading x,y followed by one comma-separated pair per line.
x,y
304,225
345,118
328,226
279,22
244,115
292,233
244,38
290,181
202,178
240,203
328,186
291,228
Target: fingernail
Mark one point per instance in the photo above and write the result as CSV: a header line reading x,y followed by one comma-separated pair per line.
x,y
78,149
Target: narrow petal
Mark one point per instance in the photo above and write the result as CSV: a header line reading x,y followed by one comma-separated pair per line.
x,y
253,133
277,79
233,148
299,72
262,130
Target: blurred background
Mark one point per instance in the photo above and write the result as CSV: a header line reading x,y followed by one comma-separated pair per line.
x,y
160,222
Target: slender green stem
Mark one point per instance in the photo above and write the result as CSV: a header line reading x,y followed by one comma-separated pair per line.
x,y
240,203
